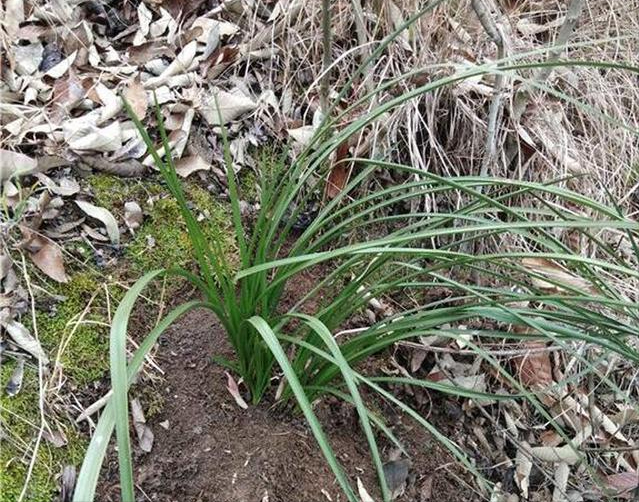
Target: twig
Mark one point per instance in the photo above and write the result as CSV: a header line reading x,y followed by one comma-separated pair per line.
x,y
467,352
565,32
326,57
94,407
43,424
493,31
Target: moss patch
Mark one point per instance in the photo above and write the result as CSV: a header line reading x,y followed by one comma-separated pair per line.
x,y
84,360
161,242
20,419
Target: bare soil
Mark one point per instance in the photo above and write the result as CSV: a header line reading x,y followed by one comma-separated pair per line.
x,y
214,451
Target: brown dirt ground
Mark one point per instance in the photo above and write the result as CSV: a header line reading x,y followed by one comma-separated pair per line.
x,y
213,451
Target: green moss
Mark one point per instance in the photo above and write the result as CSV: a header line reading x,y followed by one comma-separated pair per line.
x,y
20,418
112,192
86,344
249,186
163,240
85,358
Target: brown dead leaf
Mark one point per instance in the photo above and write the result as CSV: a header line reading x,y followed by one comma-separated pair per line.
x,y
49,259
340,173
67,93
136,96
234,390
188,165
623,483
556,274
534,369
143,431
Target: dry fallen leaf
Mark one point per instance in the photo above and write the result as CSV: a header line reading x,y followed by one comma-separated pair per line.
x,y
105,216
523,468
623,483
143,431
534,369
231,105
49,259
15,164
92,137
188,165
234,390
133,215
340,172
25,340
180,65
61,68
363,494
562,471
555,273
135,95
564,453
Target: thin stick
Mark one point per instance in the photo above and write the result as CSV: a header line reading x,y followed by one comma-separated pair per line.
x,y
326,59
493,31
43,424
565,32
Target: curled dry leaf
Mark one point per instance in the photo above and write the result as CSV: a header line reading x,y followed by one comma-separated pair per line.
x,y
566,454
103,215
25,340
234,390
135,95
363,494
188,165
562,471
142,430
49,259
92,137
179,65
523,467
556,274
133,215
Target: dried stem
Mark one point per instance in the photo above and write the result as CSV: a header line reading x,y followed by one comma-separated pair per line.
x,y
326,59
